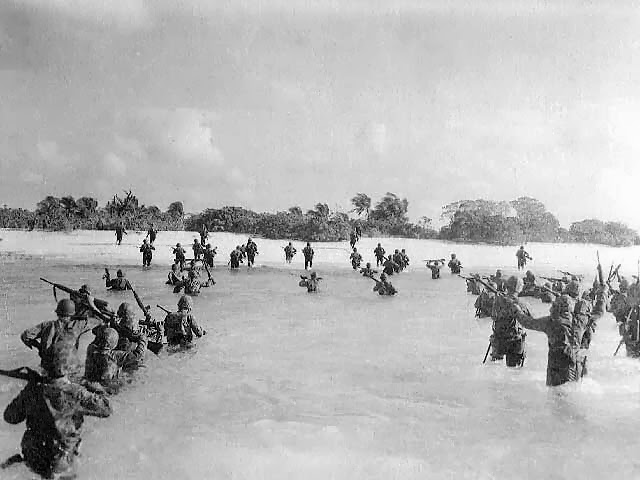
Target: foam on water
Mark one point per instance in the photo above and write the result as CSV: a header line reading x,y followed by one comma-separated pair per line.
x,y
343,384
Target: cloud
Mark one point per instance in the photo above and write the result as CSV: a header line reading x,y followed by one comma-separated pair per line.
x,y
49,153
31,177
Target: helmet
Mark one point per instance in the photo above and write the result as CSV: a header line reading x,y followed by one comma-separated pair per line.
x,y
561,307
355,249
85,289
572,289
383,276
185,303
125,310
174,267
368,265
145,241
313,274
514,284
66,308
107,338
453,255
119,273
529,274
498,273
195,240
178,245
192,274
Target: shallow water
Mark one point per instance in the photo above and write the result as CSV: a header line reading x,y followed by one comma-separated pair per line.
x,y
343,384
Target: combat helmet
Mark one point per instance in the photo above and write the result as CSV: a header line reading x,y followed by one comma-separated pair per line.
x,y
185,303
66,308
107,339
514,284
572,289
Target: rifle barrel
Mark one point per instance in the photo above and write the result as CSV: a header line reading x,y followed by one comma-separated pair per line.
x,y
163,309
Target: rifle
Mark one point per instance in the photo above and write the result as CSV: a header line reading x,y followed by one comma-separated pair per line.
x,y
165,310
487,353
211,280
614,273
619,345
572,275
101,305
599,268
22,373
548,290
552,279
489,287
468,279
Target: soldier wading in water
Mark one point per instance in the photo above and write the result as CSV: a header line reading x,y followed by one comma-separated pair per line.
x,y
508,338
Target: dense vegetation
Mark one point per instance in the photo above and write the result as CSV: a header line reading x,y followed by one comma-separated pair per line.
x,y
517,221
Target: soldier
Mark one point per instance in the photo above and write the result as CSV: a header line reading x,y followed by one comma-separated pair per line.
x,y
181,326
567,356
289,252
105,362
152,233
454,264
379,253
389,266
54,409
353,239
508,338
119,232
180,254
435,266
311,283
172,276
398,261
473,285
120,283
356,259
46,335
147,253
308,256
545,295
191,285
235,257
251,250
368,271
530,289
624,306
204,234
485,302
522,256
88,306
197,249
209,254
498,279
405,258
383,287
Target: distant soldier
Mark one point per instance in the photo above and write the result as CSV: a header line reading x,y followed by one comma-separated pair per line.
x,y
530,288
197,249
356,259
251,250
147,253
508,338
383,287
180,254
353,239
119,232
191,285
398,260
454,264
523,256
311,283
120,283
173,278
308,256
235,257
54,409
367,271
405,258
152,233
289,252
181,326
209,255
390,266
435,266
358,232
204,234
379,253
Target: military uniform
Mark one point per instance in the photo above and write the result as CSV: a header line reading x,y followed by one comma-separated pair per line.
x,y
181,326
308,256
508,338
119,283
379,253
104,362
147,254
356,260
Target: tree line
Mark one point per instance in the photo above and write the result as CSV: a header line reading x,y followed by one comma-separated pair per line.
x,y
500,222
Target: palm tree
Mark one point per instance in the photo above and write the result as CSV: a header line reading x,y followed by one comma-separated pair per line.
x,y
362,204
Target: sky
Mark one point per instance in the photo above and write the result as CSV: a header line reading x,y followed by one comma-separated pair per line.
x,y
271,104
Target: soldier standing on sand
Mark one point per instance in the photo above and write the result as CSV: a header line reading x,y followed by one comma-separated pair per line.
x,y
523,256
147,253
289,252
151,233
379,253
308,256
119,232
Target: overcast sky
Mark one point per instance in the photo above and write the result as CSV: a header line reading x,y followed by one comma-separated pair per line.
x,y
269,104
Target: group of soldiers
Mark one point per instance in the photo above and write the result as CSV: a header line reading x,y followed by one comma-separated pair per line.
x,y
57,398
571,323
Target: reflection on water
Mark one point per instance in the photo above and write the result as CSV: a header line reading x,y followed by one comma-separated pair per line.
x,y
343,384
